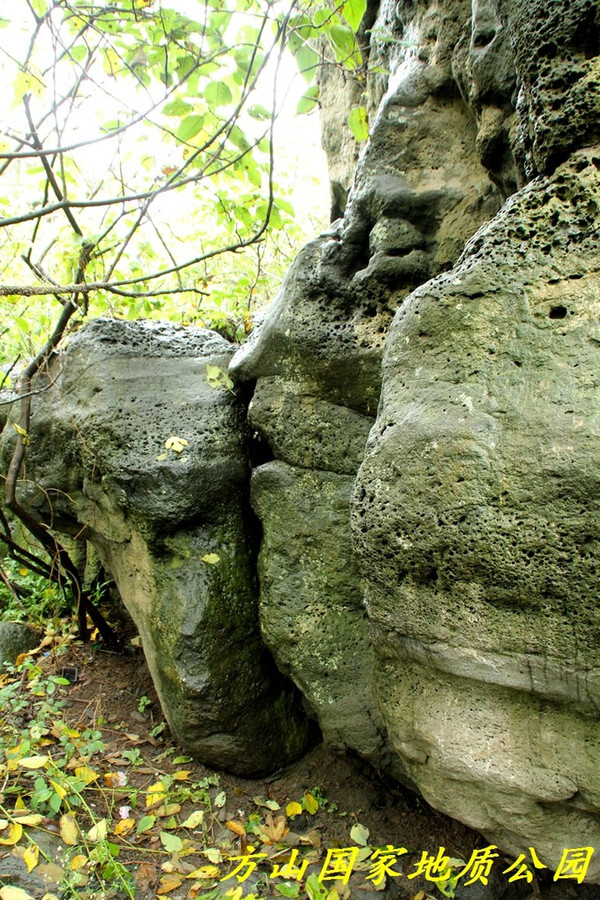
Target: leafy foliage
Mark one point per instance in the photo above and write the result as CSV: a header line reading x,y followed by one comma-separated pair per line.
x,y
139,147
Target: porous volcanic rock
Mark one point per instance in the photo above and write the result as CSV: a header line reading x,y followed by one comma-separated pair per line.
x,y
477,516
171,524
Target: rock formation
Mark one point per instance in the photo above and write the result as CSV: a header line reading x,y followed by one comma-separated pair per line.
x,y
170,524
433,594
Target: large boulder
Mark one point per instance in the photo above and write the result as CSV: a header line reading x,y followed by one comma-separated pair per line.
x,y
138,447
420,191
477,515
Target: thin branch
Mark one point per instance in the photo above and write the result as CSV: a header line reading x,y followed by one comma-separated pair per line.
x,y
48,168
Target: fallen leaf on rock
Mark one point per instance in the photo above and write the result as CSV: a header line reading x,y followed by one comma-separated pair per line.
x,y
273,830
360,834
31,856
171,842
14,893
78,862
12,834
51,872
28,818
169,809
86,774
213,855
145,824
98,831
267,804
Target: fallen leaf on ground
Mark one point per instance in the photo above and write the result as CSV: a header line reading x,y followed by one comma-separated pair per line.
x,y
194,819
169,883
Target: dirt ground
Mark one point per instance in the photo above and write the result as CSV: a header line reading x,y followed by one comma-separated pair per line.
x,y
114,692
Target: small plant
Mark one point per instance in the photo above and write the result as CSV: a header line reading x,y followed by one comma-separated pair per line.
x,y
28,597
143,704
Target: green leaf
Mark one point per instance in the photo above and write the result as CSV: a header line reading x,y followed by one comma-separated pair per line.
x,y
217,93
259,112
307,60
171,842
360,834
145,824
40,7
288,889
353,11
359,126
217,378
189,127
344,43
308,101
176,108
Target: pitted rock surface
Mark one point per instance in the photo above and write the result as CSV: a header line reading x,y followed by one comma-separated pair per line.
x,y
476,515
171,527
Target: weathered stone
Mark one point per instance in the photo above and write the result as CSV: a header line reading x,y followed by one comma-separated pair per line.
x,y
317,361
311,606
16,638
305,431
476,517
171,526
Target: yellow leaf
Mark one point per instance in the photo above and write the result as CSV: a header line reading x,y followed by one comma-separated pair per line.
x,y
30,857
175,443
181,775
14,834
124,826
78,862
33,762
310,804
28,818
156,793
167,809
14,893
235,893
194,819
20,803
211,558
69,831
169,883
293,809
58,788
237,827
205,872
98,832
86,774
115,779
